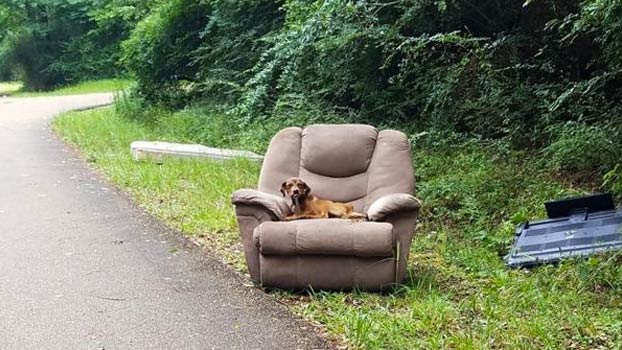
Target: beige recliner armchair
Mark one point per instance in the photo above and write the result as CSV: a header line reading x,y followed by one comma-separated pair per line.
x,y
344,163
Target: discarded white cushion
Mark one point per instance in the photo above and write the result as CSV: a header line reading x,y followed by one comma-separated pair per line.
x,y
158,151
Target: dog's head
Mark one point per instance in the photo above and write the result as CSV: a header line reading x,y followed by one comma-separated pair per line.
x,y
295,189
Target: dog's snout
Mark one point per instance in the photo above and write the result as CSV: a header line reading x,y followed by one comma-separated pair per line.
x,y
296,191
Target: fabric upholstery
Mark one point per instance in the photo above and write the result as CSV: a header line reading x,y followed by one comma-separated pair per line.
x,y
404,224
249,217
351,189
391,169
337,150
282,160
391,204
349,163
328,272
325,237
275,205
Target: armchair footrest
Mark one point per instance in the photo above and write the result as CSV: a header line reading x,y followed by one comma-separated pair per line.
x,y
325,237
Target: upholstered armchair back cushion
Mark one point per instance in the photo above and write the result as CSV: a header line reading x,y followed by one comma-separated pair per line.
x,y
349,163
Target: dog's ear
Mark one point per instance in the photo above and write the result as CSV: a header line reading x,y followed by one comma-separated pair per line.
x,y
283,188
307,190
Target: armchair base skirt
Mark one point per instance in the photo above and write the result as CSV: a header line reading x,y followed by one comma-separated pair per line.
x,y
327,272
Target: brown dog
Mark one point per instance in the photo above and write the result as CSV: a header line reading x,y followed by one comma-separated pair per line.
x,y
307,206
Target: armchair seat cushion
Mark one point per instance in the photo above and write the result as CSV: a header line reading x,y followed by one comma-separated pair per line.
x,y
325,237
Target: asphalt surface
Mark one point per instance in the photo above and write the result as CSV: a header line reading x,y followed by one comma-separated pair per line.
x,y
82,268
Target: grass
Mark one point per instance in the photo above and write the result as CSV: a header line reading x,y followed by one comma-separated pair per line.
x,y
178,192
86,87
459,294
7,88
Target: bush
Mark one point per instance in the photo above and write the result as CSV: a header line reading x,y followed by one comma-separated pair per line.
x,y
52,43
189,49
159,51
581,150
411,64
515,74
233,39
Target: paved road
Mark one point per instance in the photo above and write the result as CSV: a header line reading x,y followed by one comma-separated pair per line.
x,y
82,268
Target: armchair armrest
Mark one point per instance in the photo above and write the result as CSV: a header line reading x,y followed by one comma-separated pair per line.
x,y
275,205
392,203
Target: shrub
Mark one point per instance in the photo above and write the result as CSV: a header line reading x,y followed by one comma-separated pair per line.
x,y
581,149
159,51
233,39
51,43
189,49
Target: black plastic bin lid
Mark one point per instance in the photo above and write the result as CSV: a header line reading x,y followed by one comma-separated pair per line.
x,y
576,227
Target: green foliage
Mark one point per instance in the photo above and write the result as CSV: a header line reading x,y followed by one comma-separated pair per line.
x,y
613,181
582,150
189,49
601,20
9,88
50,43
159,50
232,41
493,69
